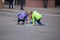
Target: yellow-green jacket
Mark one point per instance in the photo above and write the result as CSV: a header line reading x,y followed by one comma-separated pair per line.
x,y
36,15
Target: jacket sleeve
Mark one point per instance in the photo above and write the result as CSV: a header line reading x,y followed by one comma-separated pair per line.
x,y
33,19
19,14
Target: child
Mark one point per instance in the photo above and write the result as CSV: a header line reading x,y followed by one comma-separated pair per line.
x,y
23,16
36,17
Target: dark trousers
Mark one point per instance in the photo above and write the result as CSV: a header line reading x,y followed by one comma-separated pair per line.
x,y
22,4
11,5
45,2
38,21
23,20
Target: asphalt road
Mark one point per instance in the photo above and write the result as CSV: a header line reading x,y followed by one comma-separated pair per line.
x,y
9,30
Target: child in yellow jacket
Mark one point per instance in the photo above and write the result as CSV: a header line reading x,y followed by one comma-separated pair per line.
x,y
36,17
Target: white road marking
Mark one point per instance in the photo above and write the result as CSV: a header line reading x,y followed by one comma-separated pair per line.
x,y
52,14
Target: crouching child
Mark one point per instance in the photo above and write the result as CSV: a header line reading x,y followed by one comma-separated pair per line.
x,y
36,17
23,16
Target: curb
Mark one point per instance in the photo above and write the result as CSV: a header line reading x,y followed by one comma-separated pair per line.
x,y
40,10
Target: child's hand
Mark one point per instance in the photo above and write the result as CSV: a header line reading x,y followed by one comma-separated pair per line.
x,y
32,24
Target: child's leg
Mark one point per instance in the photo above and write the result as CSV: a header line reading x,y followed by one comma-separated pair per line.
x,y
38,21
32,22
23,20
18,21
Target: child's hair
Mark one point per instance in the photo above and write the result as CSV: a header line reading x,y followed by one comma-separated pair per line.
x,y
31,12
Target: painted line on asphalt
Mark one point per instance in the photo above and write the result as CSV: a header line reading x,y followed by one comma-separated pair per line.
x,y
52,14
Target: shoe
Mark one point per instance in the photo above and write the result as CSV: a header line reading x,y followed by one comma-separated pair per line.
x,y
42,24
22,9
18,23
30,22
22,23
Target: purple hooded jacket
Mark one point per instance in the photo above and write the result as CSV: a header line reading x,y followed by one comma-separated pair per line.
x,y
22,15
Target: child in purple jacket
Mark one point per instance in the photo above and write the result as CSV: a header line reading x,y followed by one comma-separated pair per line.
x,y
23,16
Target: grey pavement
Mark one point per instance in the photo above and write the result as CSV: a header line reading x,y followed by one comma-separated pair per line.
x,y
9,30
